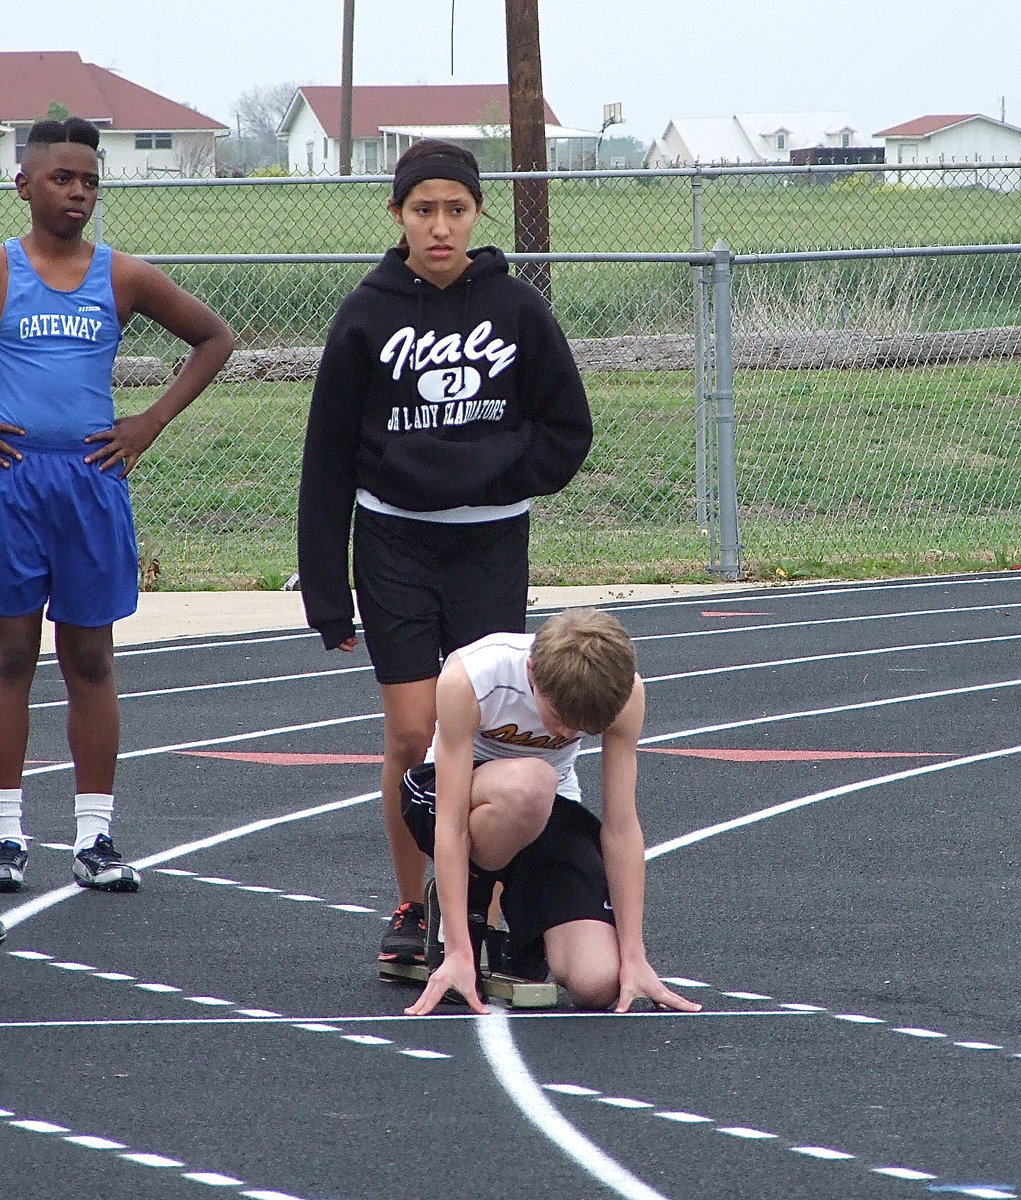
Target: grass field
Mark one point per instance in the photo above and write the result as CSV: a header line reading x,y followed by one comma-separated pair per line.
x,y
840,473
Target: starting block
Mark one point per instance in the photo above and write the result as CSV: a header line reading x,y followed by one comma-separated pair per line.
x,y
518,993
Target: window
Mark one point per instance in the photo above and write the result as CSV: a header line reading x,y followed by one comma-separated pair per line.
x,y
326,150
845,140
154,141
781,140
371,146
20,138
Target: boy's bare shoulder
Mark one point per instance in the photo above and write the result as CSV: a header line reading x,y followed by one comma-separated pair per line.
x,y
129,268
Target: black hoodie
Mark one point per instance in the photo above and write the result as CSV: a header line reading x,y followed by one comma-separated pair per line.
x,y
432,398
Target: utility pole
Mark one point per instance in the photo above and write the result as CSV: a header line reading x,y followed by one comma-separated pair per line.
x,y
528,138
346,88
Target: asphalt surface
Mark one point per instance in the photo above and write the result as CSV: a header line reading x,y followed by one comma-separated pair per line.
x,y
828,793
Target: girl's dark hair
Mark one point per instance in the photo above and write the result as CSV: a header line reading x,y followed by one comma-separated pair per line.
x,y
74,129
432,158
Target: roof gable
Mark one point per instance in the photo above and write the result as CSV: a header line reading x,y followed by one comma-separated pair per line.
x,y
31,80
372,107
924,126
804,129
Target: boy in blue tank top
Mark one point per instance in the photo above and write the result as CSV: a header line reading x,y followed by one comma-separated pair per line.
x,y
68,543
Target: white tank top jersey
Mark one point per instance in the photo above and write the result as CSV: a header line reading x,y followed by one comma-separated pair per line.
x,y
510,726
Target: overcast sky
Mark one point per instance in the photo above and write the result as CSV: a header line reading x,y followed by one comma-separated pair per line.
x,y
883,62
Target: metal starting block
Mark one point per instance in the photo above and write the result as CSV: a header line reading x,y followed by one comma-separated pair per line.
x,y
518,993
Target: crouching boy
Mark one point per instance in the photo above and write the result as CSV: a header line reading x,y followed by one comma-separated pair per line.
x,y
499,800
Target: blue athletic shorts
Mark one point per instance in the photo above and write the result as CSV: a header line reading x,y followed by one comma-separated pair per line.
x,y
68,538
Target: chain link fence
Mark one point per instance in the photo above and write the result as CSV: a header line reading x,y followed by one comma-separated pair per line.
x,y
876,397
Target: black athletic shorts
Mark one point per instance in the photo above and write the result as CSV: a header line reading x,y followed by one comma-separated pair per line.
x,y
425,589
557,878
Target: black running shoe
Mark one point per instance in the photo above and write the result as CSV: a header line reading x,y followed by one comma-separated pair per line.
x,y
404,940
528,963
100,866
13,857
481,885
434,939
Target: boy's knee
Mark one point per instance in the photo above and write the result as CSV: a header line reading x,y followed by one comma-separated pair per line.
x,y
531,783
91,666
592,991
17,662
408,744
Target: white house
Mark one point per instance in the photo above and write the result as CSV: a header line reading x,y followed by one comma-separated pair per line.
x,y
386,120
755,139
949,141
141,134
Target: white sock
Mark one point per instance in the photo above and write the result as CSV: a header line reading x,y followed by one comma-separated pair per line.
x,y
10,816
93,812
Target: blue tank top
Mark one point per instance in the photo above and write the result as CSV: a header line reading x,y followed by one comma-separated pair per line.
x,y
57,351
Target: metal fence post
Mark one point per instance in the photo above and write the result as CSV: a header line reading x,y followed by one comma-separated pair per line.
x,y
702,509
730,550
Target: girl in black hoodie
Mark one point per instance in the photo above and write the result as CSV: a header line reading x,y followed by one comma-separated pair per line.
x,y
446,398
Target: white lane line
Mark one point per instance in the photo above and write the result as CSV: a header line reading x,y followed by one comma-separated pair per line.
x,y
514,1077
260,1018
763,814
217,686
269,680
149,751
94,1143
834,710
860,619
38,1126
176,647
258,1194
151,1160
23,912
818,658
902,1173
820,1152
751,1133
780,593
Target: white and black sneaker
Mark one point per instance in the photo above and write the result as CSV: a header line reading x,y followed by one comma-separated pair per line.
x,y
100,866
13,857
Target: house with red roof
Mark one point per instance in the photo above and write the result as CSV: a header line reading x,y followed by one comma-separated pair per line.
x,y
952,140
386,120
141,134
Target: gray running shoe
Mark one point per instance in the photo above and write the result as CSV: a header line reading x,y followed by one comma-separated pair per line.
x,y
13,857
100,866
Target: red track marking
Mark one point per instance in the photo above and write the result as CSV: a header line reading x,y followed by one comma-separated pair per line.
x,y
286,760
711,613
787,755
